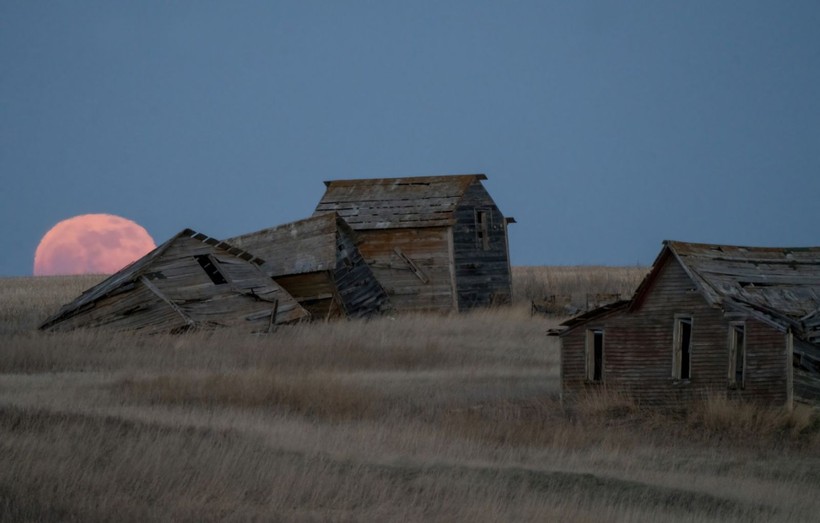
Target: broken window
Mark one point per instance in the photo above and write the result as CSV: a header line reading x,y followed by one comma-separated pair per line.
x,y
682,348
737,354
209,265
595,355
482,228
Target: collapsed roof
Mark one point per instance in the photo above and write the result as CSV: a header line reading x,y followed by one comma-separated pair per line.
x,y
190,280
778,285
299,247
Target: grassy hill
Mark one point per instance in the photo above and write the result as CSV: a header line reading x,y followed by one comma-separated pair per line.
x,y
408,418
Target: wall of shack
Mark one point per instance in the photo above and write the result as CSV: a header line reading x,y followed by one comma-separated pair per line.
x,y
428,248
482,274
638,350
360,293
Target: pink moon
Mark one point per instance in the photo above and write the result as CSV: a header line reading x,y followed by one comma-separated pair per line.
x,y
91,244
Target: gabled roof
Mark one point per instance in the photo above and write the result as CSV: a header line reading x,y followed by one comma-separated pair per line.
x,y
779,285
387,203
298,247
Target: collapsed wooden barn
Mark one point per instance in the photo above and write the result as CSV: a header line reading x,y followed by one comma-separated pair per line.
x,y
316,260
189,281
742,322
436,243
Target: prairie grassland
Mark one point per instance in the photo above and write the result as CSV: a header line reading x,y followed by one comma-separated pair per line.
x,y
417,417
536,283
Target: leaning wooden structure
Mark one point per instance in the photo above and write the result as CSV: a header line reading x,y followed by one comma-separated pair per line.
x,y
741,322
316,260
436,243
190,281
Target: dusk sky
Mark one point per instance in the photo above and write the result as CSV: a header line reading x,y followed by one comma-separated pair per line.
x,y
603,127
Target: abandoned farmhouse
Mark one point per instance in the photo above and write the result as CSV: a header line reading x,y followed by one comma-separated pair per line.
x,y
436,243
189,281
740,322
707,319
316,260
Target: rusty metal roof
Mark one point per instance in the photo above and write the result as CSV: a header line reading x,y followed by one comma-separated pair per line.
x,y
387,203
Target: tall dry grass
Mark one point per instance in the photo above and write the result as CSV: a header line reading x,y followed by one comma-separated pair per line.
x,y
536,283
410,418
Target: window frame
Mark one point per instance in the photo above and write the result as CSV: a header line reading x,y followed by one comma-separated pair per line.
x,y
677,346
732,372
483,218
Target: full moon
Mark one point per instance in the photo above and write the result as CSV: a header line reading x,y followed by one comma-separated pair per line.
x,y
91,244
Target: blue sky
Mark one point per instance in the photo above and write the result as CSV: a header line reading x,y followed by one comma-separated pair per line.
x,y
604,127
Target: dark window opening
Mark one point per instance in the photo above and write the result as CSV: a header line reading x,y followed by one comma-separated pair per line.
x,y
686,346
210,268
598,355
595,355
682,363
737,353
482,229
740,352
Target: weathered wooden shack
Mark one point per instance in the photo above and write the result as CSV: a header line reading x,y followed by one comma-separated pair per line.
x,y
743,322
189,281
316,260
436,243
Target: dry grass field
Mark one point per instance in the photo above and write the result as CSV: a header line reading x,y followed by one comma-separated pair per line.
x,y
413,418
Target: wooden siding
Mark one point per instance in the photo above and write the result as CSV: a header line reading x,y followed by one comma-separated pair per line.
x,y
419,235
806,371
638,352
390,203
136,308
427,248
350,290
172,290
294,248
316,292
482,275
358,289
319,264
781,286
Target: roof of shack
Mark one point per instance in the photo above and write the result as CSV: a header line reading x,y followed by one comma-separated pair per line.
x,y
298,247
778,285
125,278
388,203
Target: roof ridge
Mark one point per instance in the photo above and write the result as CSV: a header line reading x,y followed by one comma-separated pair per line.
x,y
409,179
750,248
